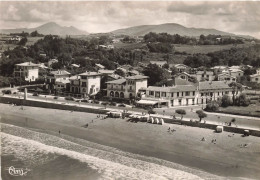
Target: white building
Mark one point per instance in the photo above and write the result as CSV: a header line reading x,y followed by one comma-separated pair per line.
x,y
181,67
226,77
126,87
205,76
255,77
179,95
86,84
27,70
159,63
213,90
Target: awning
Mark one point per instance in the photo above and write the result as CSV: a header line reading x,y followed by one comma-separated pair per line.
x,y
147,102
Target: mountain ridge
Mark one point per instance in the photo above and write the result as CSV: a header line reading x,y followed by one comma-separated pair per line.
x,y
49,28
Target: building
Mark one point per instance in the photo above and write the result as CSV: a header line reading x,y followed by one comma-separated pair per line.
x,y
213,90
255,77
219,69
226,77
27,70
51,61
179,95
184,75
204,76
15,38
100,66
159,63
85,84
181,67
234,72
126,88
57,81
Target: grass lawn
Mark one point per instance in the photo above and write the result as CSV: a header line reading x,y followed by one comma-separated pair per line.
x,y
252,109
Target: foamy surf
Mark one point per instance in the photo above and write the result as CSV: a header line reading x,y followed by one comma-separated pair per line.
x,y
36,147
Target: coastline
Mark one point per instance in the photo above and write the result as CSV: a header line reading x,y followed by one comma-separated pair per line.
x,y
183,147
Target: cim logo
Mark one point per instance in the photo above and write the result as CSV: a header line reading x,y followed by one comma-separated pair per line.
x,y
18,171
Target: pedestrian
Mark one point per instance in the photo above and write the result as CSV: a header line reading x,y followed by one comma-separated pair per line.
x,y
169,128
86,125
59,132
92,121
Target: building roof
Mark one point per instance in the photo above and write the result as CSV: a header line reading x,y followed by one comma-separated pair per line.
x,y
90,74
255,75
226,74
177,81
178,88
213,85
27,64
136,77
204,72
118,81
63,81
74,77
105,71
75,65
100,66
178,65
158,62
236,70
60,72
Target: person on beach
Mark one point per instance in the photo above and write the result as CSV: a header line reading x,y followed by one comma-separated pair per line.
x,y
169,128
203,139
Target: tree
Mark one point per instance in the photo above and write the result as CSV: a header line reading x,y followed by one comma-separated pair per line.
x,y
156,74
236,87
174,71
23,41
242,100
201,114
166,66
225,101
182,112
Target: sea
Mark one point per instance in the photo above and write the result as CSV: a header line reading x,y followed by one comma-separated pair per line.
x,y
46,156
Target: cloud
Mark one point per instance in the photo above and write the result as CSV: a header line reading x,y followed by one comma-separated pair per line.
x,y
233,16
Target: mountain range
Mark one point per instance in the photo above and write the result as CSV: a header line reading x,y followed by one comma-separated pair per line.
x,y
170,28
49,28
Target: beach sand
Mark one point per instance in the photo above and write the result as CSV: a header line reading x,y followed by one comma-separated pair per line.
x,y
183,146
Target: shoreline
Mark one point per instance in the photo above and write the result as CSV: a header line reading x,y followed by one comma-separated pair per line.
x,y
149,140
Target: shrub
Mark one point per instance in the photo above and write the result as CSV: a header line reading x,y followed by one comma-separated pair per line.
x,y
212,106
242,100
226,101
201,114
151,111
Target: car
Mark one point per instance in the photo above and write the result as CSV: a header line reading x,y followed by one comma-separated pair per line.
x,y
68,98
121,105
35,94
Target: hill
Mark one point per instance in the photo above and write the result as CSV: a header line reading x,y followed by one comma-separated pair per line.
x,y
48,28
170,28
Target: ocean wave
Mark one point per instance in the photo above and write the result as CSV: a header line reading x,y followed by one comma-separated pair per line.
x,y
111,163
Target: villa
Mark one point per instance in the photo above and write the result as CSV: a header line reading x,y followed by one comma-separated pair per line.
x,y
27,71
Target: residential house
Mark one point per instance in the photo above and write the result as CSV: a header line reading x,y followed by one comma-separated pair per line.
x,y
226,77
255,77
204,75
27,70
57,81
184,75
234,72
213,90
126,88
85,84
179,95
51,61
181,67
219,69
159,63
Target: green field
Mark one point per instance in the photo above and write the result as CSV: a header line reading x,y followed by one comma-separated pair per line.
x,y
204,49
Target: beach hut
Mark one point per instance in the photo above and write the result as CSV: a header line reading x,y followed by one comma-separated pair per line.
x,y
156,121
152,120
219,129
162,121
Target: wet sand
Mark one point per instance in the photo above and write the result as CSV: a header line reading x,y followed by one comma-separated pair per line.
x,y
184,146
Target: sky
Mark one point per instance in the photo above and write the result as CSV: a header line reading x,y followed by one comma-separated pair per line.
x,y
239,17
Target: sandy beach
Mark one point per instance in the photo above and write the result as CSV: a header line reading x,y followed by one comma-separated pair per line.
x,y
223,158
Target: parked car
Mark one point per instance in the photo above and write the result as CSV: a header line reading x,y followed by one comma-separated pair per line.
x,y
121,105
7,92
68,98
35,94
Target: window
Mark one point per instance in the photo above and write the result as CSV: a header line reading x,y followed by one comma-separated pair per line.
x,y
130,87
122,87
178,94
179,101
256,79
84,84
193,101
151,93
187,93
211,94
111,86
202,94
181,93
83,77
218,93
193,93
172,94
157,94
163,94
226,92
